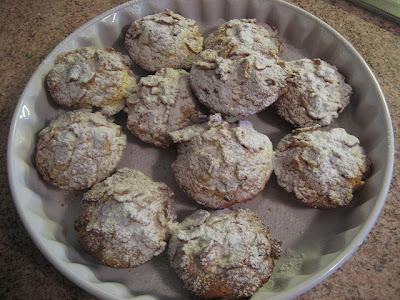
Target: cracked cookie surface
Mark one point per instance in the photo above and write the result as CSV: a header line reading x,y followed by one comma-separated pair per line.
x,y
78,149
237,86
219,165
161,104
125,219
223,254
321,167
164,40
89,77
243,36
315,94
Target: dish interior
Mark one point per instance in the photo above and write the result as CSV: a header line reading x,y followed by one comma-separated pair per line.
x,y
312,239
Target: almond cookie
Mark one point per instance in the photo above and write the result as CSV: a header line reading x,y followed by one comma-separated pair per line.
x,y
243,36
125,219
89,77
164,40
162,103
219,165
321,167
236,86
227,254
316,93
79,149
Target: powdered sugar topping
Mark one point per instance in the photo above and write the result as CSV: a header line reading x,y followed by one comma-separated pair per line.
x,y
129,215
322,168
237,86
242,37
222,165
162,103
78,149
316,93
207,247
89,77
164,40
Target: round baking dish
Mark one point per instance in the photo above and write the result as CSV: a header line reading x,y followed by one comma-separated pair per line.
x,y
315,242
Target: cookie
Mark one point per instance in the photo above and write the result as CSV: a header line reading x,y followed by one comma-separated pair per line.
x,y
91,78
237,86
162,103
322,168
78,149
125,219
219,165
225,254
243,36
164,40
315,94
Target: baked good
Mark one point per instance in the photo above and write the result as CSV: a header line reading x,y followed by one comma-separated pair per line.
x,y
321,167
125,219
162,103
164,40
89,77
219,165
315,94
225,254
78,149
243,36
238,86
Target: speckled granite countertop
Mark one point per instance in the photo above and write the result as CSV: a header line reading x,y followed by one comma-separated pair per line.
x,y
29,30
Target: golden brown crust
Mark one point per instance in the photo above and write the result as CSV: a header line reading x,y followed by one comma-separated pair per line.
x,y
223,165
88,77
161,104
164,40
226,253
79,149
126,219
243,36
321,167
237,86
315,93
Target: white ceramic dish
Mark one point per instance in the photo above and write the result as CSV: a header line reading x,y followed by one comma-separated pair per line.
x,y
316,242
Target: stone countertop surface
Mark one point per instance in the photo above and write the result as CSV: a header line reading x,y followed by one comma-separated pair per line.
x,y
30,29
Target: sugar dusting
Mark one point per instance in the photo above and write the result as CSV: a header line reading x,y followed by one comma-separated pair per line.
x,y
126,219
226,252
